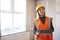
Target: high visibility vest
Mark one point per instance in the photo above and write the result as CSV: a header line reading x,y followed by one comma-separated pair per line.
x,y
40,25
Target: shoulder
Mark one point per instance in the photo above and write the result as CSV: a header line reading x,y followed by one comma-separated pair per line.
x,y
50,18
35,19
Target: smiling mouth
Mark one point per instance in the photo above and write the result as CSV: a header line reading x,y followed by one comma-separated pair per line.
x,y
42,12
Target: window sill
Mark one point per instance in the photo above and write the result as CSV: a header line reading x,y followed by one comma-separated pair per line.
x,y
11,31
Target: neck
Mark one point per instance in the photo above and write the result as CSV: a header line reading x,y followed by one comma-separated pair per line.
x,y
42,16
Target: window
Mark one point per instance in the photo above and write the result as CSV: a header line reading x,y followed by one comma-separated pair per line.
x,y
19,5
6,5
13,16
6,21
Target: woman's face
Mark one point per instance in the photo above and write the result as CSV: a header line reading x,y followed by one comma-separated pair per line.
x,y
41,12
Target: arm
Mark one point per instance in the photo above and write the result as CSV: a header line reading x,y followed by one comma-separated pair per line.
x,y
35,29
51,27
34,26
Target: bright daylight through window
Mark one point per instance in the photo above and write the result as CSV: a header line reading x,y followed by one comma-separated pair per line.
x,y
13,16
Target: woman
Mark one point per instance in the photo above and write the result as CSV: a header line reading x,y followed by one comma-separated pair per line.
x,y
43,27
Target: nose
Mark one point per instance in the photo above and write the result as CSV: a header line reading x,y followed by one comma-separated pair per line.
x,y
41,11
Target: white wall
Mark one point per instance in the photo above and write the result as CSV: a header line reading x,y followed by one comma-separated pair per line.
x,y
57,20
54,9
18,36
30,16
